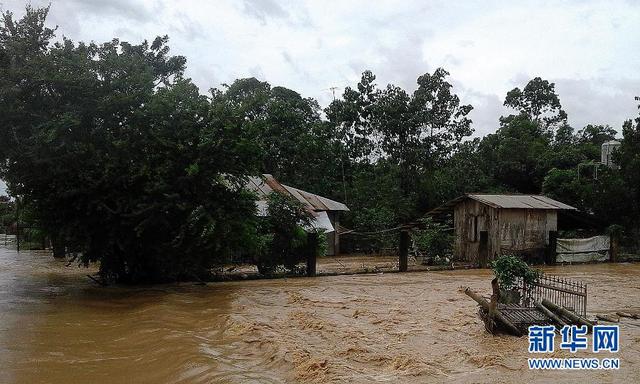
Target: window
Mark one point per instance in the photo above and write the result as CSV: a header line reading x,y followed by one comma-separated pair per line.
x,y
473,229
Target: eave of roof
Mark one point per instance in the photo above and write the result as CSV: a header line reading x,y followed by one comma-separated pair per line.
x,y
265,185
504,202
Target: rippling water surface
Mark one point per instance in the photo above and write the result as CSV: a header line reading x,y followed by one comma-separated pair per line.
x,y
58,327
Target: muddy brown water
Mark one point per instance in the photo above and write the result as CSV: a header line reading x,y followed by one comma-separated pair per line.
x,y
58,327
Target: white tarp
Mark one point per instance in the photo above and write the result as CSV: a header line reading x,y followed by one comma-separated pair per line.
x,y
583,250
321,221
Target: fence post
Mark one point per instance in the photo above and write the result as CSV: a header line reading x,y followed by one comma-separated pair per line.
x,y
483,249
613,248
17,224
550,252
404,250
58,246
336,235
312,253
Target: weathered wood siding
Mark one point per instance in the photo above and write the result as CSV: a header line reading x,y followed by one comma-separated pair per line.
x,y
508,229
526,229
333,239
471,217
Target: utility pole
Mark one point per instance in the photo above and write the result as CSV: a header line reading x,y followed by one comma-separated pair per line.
x,y
18,224
333,92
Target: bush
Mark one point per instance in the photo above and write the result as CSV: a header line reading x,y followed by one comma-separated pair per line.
x,y
283,237
508,268
434,239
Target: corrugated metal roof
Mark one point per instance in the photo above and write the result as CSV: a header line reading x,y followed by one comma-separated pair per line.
x,y
505,202
267,184
520,201
318,202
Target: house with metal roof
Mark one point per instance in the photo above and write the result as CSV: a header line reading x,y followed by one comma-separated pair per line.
x,y
325,212
487,226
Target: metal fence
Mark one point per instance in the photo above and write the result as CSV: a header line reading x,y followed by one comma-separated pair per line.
x,y
566,293
6,240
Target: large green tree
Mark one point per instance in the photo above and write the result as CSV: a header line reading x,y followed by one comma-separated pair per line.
x,y
296,146
121,156
628,159
538,102
410,134
521,152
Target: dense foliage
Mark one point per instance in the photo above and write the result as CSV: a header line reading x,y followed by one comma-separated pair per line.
x,y
120,155
435,240
283,238
509,268
122,158
7,214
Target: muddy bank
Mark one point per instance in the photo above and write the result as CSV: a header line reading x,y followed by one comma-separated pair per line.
x,y
336,265
57,327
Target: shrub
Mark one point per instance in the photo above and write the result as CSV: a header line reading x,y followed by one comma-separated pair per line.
x,y
284,239
434,239
508,268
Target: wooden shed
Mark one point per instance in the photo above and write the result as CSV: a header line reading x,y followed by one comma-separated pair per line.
x,y
325,212
487,226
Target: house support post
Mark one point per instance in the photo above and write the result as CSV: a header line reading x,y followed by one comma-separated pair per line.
x,y
312,253
550,252
613,248
404,250
483,249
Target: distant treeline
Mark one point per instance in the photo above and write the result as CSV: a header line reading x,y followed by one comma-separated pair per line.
x,y
119,156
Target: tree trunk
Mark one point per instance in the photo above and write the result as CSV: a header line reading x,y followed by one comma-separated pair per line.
x,y
57,243
498,316
567,314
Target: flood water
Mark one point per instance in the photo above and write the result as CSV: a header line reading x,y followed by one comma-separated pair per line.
x,y
58,327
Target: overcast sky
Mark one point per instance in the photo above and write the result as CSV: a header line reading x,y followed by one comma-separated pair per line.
x,y
590,49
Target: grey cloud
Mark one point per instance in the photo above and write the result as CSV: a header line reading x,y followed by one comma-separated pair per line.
x,y
487,109
521,79
204,75
256,71
586,101
294,65
403,62
187,28
134,10
264,9
599,101
73,14
398,42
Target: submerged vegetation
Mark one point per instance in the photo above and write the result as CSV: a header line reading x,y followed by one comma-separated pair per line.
x,y
122,159
436,240
509,268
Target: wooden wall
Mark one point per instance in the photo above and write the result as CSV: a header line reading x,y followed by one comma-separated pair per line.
x,y
526,229
471,217
518,230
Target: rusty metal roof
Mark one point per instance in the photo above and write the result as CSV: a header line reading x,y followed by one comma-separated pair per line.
x,y
267,184
505,202
520,202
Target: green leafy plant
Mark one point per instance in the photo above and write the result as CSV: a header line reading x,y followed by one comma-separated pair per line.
x,y
284,237
435,239
508,268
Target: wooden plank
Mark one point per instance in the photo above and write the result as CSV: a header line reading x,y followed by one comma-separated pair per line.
x,y
550,314
498,315
567,314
